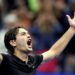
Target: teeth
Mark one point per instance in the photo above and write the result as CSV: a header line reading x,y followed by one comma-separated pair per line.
x,y
29,39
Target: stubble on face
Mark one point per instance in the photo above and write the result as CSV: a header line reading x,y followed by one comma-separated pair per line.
x,y
23,40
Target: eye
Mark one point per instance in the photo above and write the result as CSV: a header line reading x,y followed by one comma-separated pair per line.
x,y
23,33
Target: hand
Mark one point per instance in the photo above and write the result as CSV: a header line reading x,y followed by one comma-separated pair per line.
x,y
71,21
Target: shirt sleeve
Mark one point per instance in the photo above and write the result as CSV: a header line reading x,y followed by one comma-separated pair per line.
x,y
37,60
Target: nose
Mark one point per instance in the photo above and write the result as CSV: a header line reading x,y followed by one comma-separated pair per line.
x,y
28,35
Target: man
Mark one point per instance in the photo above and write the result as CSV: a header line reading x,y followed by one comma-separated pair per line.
x,y
19,44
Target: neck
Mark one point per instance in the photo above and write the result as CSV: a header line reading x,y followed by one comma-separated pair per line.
x,y
21,55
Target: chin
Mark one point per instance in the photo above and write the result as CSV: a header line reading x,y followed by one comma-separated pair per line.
x,y
29,49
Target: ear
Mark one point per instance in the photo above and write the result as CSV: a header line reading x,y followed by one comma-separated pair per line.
x,y
12,42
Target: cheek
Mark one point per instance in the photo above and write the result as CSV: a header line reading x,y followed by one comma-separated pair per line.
x,y
21,42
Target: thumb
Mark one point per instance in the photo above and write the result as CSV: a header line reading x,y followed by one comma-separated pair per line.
x,y
68,17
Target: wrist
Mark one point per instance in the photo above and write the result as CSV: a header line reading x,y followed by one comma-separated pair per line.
x,y
72,29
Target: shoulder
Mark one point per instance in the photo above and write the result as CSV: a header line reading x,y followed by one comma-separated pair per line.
x,y
36,57
1,58
36,60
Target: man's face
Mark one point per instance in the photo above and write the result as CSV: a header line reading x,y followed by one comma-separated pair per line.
x,y
23,40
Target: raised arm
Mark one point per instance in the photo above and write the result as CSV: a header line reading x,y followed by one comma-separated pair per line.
x,y
59,46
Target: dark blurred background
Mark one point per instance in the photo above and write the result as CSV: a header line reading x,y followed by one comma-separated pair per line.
x,y
46,21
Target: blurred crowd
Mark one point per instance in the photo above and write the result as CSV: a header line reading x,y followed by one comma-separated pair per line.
x,y
46,21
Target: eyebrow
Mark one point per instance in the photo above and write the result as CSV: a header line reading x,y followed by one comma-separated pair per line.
x,y
23,32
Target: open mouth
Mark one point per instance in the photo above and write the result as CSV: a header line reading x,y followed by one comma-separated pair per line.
x,y
29,43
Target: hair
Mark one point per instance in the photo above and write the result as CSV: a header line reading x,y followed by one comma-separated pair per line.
x,y
11,35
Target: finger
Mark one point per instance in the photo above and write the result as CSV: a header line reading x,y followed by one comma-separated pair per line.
x,y
74,14
68,17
